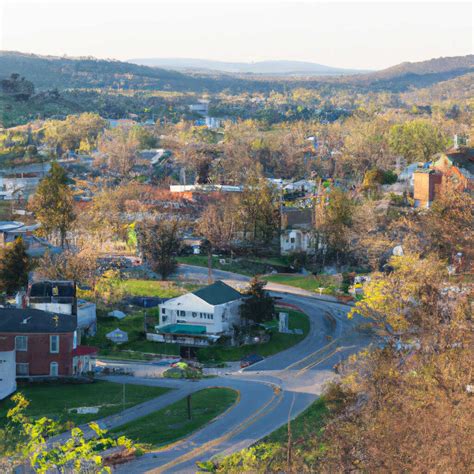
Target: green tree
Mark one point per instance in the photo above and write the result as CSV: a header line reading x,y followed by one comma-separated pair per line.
x,y
416,140
259,306
53,204
24,440
14,267
159,243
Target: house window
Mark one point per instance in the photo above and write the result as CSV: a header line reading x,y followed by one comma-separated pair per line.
x,y
163,310
164,318
22,369
182,313
292,240
194,315
53,369
54,344
21,343
211,316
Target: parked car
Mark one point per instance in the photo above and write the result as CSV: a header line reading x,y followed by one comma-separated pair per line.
x,y
250,360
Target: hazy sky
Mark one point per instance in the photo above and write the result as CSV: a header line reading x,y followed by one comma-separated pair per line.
x,y
345,34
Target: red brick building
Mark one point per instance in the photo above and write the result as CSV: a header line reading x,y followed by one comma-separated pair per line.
x,y
453,169
44,342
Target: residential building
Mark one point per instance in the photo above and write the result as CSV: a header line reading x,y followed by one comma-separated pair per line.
x,y
45,343
60,297
296,230
200,317
453,169
35,246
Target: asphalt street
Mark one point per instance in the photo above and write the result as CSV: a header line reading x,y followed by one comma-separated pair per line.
x,y
270,392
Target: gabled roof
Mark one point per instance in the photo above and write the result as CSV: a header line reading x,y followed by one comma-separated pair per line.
x,y
218,293
15,320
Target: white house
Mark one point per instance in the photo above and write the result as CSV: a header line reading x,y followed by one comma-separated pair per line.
x,y
200,317
296,230
7,373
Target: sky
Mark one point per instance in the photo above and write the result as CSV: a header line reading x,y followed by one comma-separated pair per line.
x,y
351,34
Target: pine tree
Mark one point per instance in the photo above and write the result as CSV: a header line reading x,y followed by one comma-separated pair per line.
x,y
53,203
259,306
14,267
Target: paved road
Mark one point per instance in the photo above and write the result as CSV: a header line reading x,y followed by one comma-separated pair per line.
x,y
278,388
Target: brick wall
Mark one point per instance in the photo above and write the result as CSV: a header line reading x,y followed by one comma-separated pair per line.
x,y
38,355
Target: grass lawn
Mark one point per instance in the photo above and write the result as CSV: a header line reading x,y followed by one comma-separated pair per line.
x,y
246,266
133,324
277,343
306,282
161,289
172,423
53,399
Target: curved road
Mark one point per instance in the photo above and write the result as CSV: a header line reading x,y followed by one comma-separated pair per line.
x,y
271,392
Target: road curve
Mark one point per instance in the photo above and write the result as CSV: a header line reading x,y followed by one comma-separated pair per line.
x,y
278,388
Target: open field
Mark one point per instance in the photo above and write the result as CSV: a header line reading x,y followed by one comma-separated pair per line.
x,y
172,423
156,288
54,400
306,282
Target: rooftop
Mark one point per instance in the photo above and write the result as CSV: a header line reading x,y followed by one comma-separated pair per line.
x,y
30,320
183,329
218,293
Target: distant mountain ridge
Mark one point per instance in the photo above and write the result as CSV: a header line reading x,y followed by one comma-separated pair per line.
x,y
271,67
50,72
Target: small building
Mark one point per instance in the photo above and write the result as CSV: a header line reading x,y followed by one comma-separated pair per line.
x,y
453,169
60,297
200,317
44,342
35,247
296,230
426,186
117,336
7,373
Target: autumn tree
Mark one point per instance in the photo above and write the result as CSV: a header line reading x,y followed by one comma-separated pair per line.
x,y
258,211
14,267
118,149
218,225
78,265
416,140
159,242
76,132
333,222
53,203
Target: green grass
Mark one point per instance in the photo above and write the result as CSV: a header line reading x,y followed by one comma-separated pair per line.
x,y
304,425
53,399
133,324
161,289
306,282
277,343
172,423
246,266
